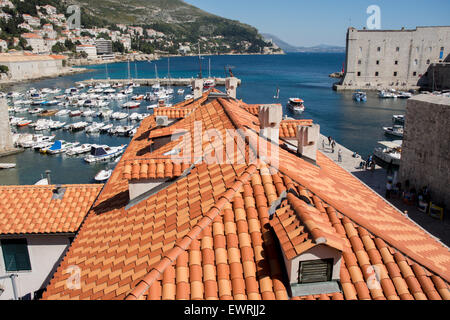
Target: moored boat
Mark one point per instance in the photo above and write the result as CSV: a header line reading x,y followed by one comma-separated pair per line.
x,y
296,105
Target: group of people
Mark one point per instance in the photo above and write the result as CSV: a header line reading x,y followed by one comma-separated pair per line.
x,y
369,163
331,143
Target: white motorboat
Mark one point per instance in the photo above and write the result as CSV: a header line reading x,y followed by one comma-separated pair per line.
x,y
75,113
94,127
37,139
123,130
296,105
42,145
383,94
78,126
104,153
23,123
131,105
180,91
137,97
106,128
35,110
87,113
59,146
7,165
399,119
396,131
404,95
360,96
63,112
390,152
84,148
103,175
119,115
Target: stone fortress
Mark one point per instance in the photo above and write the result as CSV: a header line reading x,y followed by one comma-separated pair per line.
x,y
401,59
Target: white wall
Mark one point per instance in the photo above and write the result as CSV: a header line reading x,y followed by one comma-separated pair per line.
x,y
33,69
45,253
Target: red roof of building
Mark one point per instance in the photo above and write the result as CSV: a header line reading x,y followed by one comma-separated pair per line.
x,y
32,209
209,234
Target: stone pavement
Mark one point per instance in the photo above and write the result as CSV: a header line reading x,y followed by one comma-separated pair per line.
x,y
377,181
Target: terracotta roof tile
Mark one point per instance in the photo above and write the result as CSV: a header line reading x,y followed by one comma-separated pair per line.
x,y
209,234
31,209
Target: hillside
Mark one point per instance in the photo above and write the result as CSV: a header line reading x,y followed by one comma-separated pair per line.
x,y
183,23
290,48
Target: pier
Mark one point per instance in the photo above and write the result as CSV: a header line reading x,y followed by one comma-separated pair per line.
x,y
176,82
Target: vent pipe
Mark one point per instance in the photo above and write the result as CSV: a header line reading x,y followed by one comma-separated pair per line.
x,y
47,173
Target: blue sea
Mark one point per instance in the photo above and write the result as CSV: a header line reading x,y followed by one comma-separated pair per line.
x,y
357,126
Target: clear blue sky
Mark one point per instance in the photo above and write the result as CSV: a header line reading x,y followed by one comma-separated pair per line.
x,y
313,22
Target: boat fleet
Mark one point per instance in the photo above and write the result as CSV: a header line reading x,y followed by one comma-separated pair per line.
x,y
48,145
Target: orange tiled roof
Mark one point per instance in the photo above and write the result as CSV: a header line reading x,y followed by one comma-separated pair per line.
x,y
288,128
208,235
30,209
303,227
172,113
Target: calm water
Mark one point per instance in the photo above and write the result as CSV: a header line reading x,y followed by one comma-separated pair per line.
x,y
358,126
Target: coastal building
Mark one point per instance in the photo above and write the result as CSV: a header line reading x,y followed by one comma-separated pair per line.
x,y
6,142
213,219
32,21
38,223
36,41
90,50
426,147
104,47
379,59
24,66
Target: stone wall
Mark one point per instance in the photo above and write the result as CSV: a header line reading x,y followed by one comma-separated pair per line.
x,y
426,146
378,59
25,70
6,143
439,77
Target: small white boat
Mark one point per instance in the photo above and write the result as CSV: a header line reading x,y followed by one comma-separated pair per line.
x,y
78,126
63,112
180,91
59,146
94,127
104,153
131,105
35,110
106,128
396,131
75,113
399,119
390,152
84,148
404,95
7,165
296,105
87,113
23,123
103,175
360,96
137,97
383,94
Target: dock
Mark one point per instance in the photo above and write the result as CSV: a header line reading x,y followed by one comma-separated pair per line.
x,y
176,82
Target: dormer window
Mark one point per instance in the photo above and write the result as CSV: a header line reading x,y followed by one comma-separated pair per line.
x,y
312,254
315,271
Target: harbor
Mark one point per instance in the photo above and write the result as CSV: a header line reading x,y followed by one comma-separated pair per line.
x,y
176,82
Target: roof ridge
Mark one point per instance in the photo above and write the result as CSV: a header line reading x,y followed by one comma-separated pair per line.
x,y
186,241
92,185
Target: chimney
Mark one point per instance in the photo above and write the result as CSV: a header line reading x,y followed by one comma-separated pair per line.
x,y
231,86
47,173
197,87
308,140
270,116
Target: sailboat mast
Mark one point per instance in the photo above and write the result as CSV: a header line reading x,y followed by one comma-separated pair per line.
x,y
200,61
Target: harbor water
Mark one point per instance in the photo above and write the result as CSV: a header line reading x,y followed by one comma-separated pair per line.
x,y
355,125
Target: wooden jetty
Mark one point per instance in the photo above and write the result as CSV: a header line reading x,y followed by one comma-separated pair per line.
x,y
176,82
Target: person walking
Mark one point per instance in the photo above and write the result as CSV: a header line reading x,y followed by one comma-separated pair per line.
x,y
333,144
388,189
340,155
329,140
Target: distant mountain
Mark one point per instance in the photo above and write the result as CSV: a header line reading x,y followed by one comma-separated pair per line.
x,y
290,48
